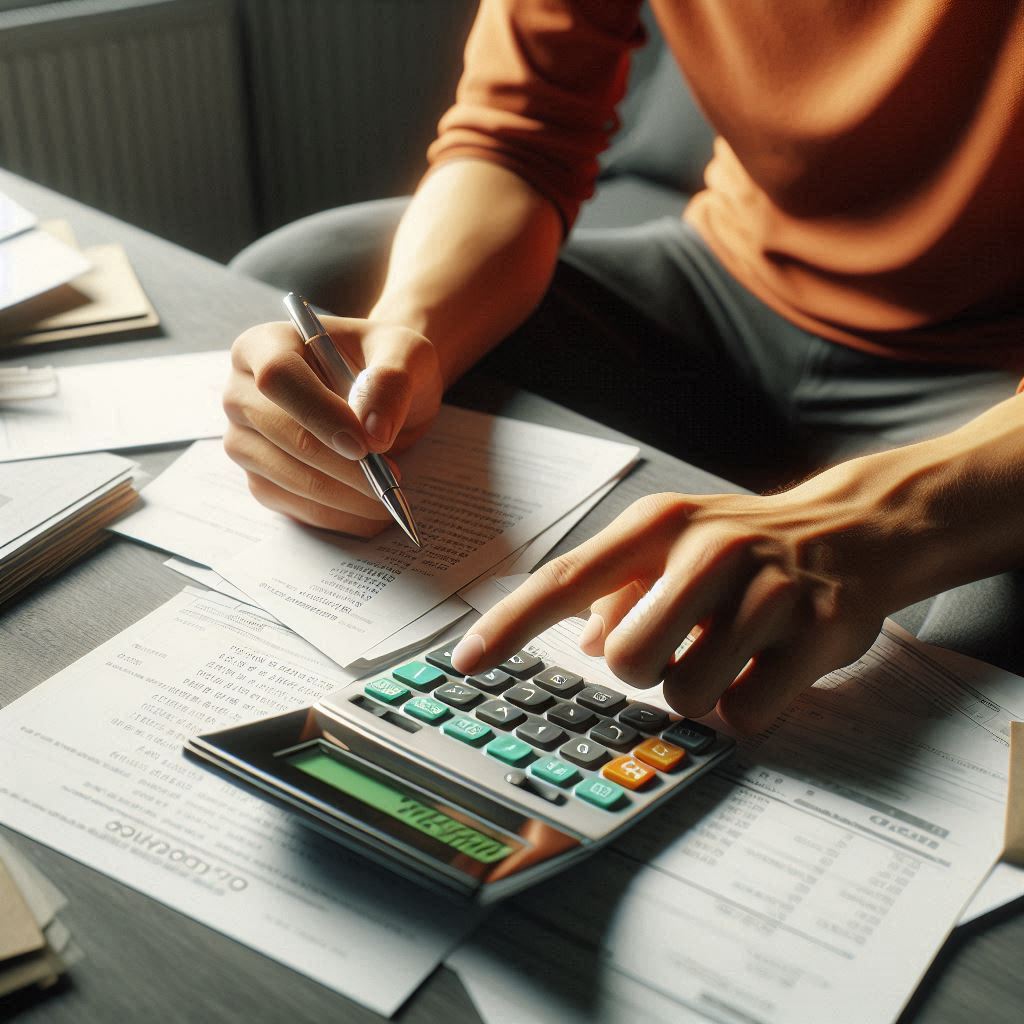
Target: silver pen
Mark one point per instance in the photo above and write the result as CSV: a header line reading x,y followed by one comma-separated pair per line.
x,y
332,368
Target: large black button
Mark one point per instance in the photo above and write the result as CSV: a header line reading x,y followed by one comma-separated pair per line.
x,y
522,665
541,734
458,695
494,681
442,659
585,752
600,698
572,716
559,681
617,735
691,736
644,717
500,714
526,695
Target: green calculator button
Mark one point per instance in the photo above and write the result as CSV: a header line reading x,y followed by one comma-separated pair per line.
x,y
419,675
555,771
387,690
605,795
469,730
426,709
511,751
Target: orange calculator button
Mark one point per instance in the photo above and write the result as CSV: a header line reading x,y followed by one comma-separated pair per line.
x,y
659,754
629,772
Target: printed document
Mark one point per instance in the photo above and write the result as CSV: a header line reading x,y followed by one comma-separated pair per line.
x,y
132,403
481,487
93,767
813,877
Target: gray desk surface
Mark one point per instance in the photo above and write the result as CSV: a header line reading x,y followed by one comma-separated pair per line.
x,y
144,961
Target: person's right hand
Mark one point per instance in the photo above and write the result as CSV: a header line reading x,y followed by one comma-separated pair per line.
x,y
298,442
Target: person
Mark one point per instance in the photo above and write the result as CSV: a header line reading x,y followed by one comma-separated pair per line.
x,y
846,287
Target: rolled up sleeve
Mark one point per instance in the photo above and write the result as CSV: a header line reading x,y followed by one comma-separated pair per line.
x,y
538,94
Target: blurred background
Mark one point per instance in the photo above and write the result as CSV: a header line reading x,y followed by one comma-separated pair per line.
x,y
211,122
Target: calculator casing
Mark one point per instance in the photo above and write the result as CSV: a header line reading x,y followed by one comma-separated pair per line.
x,y
461,780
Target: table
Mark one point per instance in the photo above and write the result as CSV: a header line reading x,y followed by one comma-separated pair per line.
x,y
144,960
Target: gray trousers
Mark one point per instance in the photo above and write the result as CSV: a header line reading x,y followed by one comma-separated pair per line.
x,y
645,331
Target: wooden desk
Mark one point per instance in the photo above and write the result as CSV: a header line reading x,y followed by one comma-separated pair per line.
x,y
144,961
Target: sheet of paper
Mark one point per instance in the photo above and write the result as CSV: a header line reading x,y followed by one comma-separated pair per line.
x,y
131,403
93,768
200,508
33,262
821,869
207,577
14,218
33,493
481,487
1004,885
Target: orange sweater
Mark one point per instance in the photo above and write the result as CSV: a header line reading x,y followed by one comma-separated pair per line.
x,y
868,176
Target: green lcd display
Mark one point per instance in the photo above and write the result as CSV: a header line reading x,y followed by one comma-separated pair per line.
x,y
400,806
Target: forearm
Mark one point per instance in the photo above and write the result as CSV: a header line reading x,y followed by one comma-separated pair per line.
x,y
473,256
935,514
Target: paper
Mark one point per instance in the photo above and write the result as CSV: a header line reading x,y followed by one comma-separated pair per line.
x,y
1004,885
200,574
815,876
33,262
132,403
23,383
93,768
200,508
14,218
105,300
481,487
1014,842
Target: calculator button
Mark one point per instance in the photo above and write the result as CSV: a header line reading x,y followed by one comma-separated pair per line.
x,y
526,695
628,772
458,695
644,717
419,675
572,717
497,712
585,752
522,665
605,795
510,750
615,734
469,730
559,681
387,690
692,736
598,698
442,659
541,734
426,709
660,754
558,773
494,681
529,785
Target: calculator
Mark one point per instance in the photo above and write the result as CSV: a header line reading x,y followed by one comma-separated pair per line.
x,y
479,785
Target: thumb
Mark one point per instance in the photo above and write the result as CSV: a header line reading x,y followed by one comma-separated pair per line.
x,y
383,391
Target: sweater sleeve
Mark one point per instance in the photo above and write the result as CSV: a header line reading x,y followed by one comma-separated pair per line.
x,y
539,90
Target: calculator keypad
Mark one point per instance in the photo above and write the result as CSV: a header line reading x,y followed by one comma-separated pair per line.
x,y
554,727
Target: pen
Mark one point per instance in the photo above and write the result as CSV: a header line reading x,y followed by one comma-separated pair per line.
x,y
333,369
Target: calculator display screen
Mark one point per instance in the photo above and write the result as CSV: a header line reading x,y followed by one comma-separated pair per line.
x,y
415,813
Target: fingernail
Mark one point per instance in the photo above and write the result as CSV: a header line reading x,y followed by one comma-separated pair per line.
x,y
468,651
592,633
347,445
377,427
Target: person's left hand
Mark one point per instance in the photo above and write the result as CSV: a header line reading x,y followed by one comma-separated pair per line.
x,y
784,588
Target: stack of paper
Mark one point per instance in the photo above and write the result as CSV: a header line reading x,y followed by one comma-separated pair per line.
x,y
53,511
35,947
50,292
491,495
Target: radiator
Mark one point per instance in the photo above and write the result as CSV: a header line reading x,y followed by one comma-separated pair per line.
x,y
345,96
134,107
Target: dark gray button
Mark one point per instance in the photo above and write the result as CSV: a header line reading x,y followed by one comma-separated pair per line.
x,y
559,681
615,734
522,665
644,717
442,659
691,736
500,714
600,698
458,695
541,734
572,717
526,695
585,752
494,681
